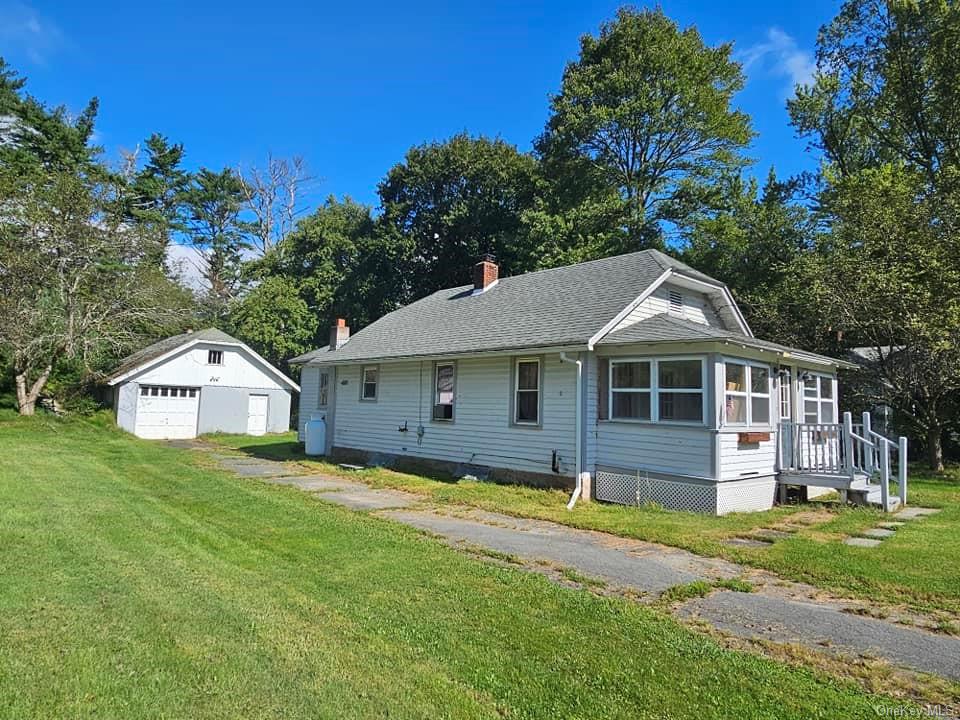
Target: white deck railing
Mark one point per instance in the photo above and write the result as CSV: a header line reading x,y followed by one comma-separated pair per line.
x,y
843,450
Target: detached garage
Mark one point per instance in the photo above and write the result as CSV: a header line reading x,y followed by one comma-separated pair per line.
x,y
196,383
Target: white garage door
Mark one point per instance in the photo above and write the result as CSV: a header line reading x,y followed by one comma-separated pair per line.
x,y
167,413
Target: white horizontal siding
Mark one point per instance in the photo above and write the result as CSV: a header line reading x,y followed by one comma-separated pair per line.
x,y
696,307
481,432
739,461
309,387
673,449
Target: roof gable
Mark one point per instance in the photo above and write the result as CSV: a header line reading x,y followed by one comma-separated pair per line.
x,y
162,350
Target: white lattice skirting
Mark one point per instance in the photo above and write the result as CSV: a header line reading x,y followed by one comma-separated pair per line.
x,y
713,498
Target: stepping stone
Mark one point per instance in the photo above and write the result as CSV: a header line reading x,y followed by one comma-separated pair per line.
x,y
892,525
878,533
912,513
747,542
861,542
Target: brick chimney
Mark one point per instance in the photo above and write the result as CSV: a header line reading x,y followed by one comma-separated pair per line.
x,y
339,334
485,272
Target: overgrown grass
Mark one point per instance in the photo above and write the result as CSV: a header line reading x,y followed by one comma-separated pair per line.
x,y
138,584
918,567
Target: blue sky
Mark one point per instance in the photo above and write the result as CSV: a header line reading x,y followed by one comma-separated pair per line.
x,y
352,86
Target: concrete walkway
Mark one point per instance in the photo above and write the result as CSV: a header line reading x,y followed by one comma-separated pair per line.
x,y
778,611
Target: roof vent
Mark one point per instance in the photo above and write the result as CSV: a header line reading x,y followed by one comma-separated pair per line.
x,y
676,303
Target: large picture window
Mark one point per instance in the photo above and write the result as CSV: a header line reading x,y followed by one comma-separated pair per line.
x,y
747,394
657,390
527,392
444,391
818,399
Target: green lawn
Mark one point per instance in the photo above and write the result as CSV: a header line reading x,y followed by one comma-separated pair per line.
x,y
137,584
919,567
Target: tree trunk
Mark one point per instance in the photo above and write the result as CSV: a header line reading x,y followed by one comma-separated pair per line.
x,y
27,398
935,448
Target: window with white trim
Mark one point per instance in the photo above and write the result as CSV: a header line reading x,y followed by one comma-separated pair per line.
x,y
526,404
323,389
214,357
747,393
785,380
369,383
657,390
819,403
444,379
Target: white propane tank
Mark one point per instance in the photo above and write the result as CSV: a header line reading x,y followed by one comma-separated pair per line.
x,y
315,435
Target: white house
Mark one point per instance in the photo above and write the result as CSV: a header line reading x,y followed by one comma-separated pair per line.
x,y
199,382
629,379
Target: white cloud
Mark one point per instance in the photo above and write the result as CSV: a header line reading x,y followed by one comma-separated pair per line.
x,y
780,56
187,263
24,30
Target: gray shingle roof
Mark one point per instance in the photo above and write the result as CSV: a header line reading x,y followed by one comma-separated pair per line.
x,y
547,308
151,352
664,328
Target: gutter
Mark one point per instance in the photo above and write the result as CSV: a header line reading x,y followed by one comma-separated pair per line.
x,y
578,444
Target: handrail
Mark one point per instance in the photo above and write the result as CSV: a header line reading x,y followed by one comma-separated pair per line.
x,y
844,449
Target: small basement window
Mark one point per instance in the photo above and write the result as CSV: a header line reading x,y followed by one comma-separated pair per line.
x,y
444,391
368,388
214,357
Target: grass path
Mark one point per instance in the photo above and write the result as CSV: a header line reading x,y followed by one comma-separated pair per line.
x,y
136,584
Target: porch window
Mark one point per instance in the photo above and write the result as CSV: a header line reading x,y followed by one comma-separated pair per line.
x,y
818,399
323,391
527,392
657,390
444,387
368,387
747,394
680,390
630,390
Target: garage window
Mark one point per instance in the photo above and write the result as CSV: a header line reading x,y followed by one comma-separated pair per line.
x,y
144,391
214,357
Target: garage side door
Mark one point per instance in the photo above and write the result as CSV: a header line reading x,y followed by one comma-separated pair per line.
x,y
167,413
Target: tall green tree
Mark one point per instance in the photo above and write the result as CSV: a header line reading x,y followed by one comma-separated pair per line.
x,y
275,320
752,244
884,111
448,203
214,203
644,118
156,190
340,264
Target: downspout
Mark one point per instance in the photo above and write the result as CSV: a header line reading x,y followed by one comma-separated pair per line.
x,y
578,488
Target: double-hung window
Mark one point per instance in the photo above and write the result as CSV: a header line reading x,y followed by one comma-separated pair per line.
x,y
631,390
369,383
747,394
323,389
657,390
526,402
818,400
444,391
